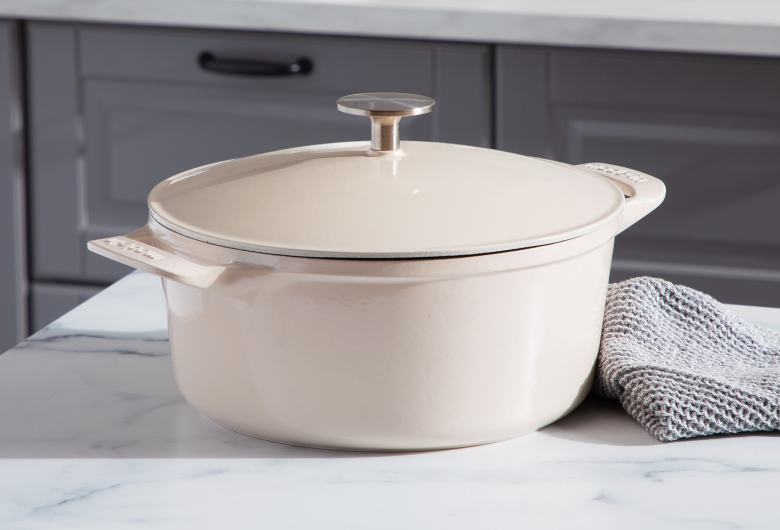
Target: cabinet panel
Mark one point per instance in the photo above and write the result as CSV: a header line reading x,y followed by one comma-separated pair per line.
x,y
144,110
141,134
13,282
722,173
522,124
51,301
54,148
665,81
709,127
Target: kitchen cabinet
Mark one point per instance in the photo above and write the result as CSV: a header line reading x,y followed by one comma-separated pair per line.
x,y
115,110
112,110
13,304
708,126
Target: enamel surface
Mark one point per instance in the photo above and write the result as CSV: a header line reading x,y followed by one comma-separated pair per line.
x,y
373,363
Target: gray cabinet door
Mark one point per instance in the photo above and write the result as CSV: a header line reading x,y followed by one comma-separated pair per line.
x,y
49,301
13,321
709,127
115,110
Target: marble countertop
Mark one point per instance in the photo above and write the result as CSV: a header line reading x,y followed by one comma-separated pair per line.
x,y
95,435
711,26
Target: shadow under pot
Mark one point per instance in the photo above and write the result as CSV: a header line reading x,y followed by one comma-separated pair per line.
x,y
385,295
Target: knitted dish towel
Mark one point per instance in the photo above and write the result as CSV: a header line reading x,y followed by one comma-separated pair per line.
x,y
682,365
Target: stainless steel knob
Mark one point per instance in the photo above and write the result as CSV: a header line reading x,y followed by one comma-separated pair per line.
x,y
385,110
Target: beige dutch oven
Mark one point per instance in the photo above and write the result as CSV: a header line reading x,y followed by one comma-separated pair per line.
x,y
385,296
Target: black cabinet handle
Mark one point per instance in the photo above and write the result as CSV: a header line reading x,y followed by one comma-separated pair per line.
x,y
208,62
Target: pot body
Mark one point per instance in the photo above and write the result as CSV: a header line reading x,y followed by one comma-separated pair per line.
x,y
393,356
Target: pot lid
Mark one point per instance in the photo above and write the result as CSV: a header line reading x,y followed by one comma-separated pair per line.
x,y
384,199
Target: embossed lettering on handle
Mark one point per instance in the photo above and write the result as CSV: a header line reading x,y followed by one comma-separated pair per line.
x,y
133,247
643,192
616,172
157,261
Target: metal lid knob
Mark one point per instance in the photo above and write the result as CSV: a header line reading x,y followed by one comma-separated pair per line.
x,y
385,110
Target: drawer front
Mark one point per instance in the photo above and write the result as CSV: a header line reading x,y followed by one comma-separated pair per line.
x,y
340,66
143,109
709,127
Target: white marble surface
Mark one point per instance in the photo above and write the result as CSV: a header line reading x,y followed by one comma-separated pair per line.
x,y
715,26
94,435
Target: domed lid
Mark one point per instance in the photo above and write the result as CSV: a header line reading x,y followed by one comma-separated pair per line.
x,y
376,200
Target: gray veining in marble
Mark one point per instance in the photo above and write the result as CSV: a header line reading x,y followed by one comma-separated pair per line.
x,y
95,435
749,27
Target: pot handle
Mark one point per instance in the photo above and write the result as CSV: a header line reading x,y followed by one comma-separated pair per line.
x,y
643,192
156,261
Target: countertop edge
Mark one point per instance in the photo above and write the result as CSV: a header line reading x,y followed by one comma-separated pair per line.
x,y
418,23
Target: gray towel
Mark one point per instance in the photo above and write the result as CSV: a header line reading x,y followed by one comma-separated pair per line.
x,y
682,365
